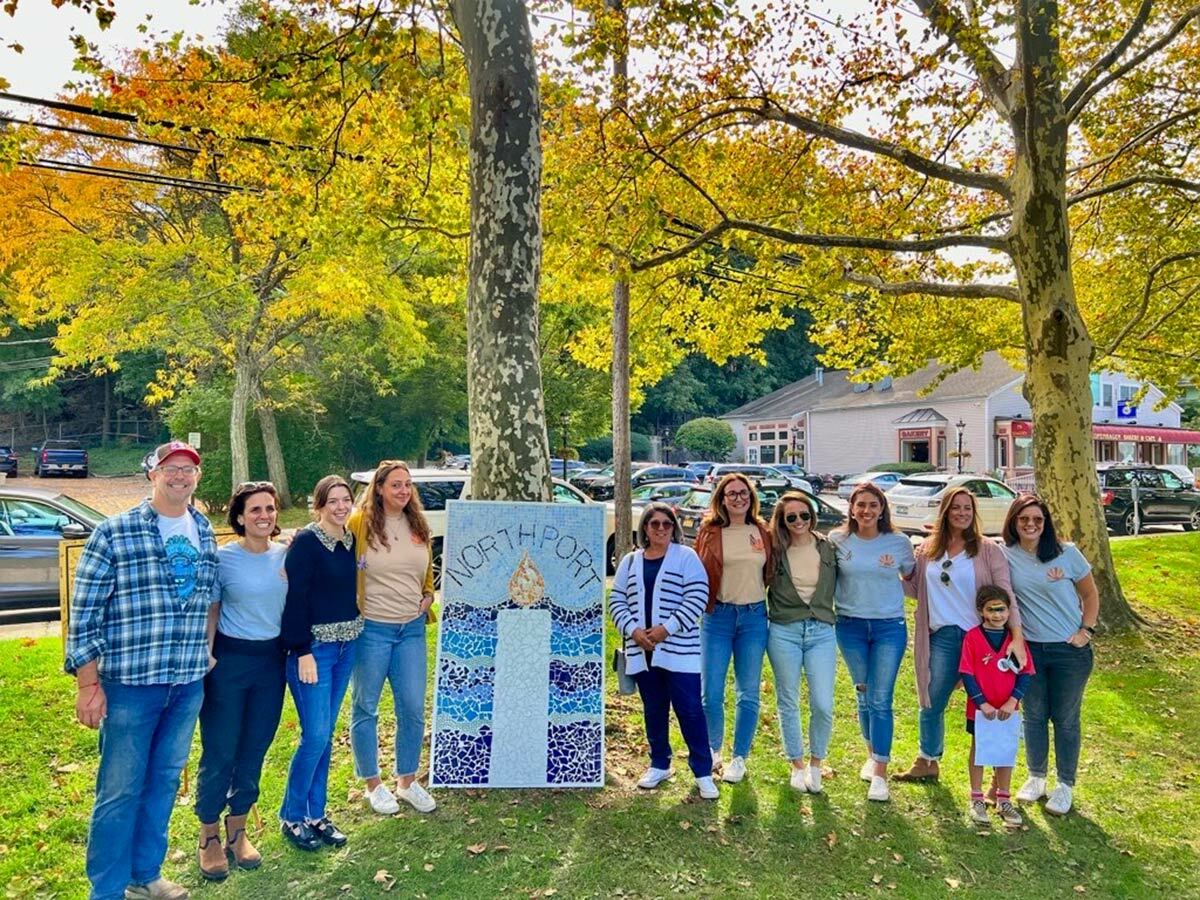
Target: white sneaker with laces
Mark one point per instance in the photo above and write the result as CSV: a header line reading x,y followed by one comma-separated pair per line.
x,y
814,779
735,771
707,787
1033,790
382,800
716,755
653,777
879,790
867,772
417,797
1060,800
799,780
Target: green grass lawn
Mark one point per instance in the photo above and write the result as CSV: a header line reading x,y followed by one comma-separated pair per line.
x,y
118,459
1133,832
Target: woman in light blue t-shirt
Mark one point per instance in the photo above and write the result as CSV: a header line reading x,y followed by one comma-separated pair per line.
x,y
871,632
1059,607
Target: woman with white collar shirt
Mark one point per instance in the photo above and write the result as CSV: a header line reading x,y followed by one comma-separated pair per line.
x,y
659,593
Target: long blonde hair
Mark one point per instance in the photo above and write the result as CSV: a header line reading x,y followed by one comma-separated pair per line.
x,y
780,536
373,506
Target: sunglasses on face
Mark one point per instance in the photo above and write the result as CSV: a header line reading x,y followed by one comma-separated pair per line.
x,y
792,518
660,524
737,495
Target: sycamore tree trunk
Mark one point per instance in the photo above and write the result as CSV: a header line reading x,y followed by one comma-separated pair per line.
x,y
276,467
243,392
1059,351
510,453
621,443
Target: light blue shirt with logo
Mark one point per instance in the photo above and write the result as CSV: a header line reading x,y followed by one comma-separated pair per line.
x,y
868,577
1046,595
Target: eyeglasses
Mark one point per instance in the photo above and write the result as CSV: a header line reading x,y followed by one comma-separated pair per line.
x,y
945,576
791,518
178,470
660,524
737,495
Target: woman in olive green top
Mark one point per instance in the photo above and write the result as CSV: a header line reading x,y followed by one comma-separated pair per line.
x,y
801,637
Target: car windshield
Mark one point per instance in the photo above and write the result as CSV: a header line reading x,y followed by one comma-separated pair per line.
x,y
913,487
696,498
79,510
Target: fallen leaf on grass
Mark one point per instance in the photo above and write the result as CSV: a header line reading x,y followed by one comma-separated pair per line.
x,y
953,883
28,642
1080,889
831,840
382,877
877,878
685,824
428,867
67,769
476,849
501,848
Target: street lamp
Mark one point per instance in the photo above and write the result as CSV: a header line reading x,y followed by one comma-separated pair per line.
x,y
666,446
960,425
564,422
795,434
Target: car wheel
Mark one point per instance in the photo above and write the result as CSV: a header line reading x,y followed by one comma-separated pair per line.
x,y
1193,523
1128,525
437,564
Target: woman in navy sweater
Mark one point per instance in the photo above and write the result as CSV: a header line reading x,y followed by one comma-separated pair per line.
x,y
658,596
320,625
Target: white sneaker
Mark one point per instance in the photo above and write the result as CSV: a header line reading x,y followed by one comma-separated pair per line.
x,y
867,772
735,771
1059,803
417,797
1033,790
707,787
799,780
879,790
383,801
716,755
814,779
654,777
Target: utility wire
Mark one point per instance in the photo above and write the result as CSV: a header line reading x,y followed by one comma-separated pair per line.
x,y
70,129
131,175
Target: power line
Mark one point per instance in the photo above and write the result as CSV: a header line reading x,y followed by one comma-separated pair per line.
x,y
70,129
131,175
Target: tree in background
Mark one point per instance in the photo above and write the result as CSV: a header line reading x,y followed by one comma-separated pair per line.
x,y
706,438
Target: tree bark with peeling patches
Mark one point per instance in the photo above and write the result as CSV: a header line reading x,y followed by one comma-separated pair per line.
x,y
510,454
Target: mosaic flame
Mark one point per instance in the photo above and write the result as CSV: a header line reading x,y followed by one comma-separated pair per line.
x,y
526,587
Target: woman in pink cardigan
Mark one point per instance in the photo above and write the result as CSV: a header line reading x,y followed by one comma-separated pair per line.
x,y
952,564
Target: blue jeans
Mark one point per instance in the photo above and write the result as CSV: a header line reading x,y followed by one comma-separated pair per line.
x,y
317,706
873,649
144,742
660,690
1055,694
395,653
945,650
737,632
807,646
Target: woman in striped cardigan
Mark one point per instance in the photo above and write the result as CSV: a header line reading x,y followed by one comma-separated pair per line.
x,y
658,596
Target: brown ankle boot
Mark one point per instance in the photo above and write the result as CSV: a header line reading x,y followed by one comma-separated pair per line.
x,y
211,855
237,842
922,769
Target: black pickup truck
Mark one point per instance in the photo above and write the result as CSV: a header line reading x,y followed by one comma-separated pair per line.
x,y
61,458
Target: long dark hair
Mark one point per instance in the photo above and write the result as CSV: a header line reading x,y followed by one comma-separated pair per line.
x,y
237,503
1049,545
780,536
373,506
885,512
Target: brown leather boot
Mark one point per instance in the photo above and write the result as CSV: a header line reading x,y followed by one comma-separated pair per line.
x,y
237,843
211,855
922,769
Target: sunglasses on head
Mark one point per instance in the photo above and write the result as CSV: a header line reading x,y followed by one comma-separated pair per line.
x,y
791,518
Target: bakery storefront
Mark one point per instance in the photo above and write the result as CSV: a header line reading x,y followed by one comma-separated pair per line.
x,y
1151,444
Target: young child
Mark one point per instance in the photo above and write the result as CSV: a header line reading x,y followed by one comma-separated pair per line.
x,y
994,686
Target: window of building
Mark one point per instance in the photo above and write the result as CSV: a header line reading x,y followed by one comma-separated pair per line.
x,y
1175,455
1023,452
1002,452
766,435
751,454
1106,451
1126,391
1106,395
1126,451
766,454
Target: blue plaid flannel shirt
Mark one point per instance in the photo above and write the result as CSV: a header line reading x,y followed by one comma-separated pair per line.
x,y
125,611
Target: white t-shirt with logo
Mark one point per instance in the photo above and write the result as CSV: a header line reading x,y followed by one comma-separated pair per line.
x,y
181,540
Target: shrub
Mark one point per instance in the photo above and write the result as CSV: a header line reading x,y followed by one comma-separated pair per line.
x,y
706,438
904,468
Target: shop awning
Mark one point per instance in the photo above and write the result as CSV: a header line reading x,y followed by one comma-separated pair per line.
x,y
1146,434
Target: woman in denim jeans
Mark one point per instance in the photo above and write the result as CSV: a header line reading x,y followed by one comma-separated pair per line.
x,y
395,594
871,632
801,638
1059,608
952,564
735,547
320,627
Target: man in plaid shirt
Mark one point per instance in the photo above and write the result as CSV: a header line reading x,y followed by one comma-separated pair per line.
x,y
137,646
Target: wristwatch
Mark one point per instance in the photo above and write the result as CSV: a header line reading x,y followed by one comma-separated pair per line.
x,y
1089,629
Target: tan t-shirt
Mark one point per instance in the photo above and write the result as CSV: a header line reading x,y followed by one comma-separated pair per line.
x,y
743,557
395,574
805,562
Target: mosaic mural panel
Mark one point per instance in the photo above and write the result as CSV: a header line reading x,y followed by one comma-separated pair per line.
x,y
519,689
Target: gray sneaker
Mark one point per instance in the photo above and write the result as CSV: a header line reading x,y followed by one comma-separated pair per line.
x,y
979,813
1010,814
160,889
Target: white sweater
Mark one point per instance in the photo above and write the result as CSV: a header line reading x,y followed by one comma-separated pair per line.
x,y
680,595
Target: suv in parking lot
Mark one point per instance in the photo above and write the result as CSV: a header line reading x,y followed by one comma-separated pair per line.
x,y
437,486
1163,498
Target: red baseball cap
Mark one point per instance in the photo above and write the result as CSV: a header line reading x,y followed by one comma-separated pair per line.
x,y
166,450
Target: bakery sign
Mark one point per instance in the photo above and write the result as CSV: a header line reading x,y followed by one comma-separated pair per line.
x,y
914,434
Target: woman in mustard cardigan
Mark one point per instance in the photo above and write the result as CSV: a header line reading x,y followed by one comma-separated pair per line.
x,y
395,595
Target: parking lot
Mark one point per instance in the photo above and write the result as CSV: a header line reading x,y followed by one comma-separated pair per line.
x,y
108,495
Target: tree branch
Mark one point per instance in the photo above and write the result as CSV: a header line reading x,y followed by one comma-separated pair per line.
x,y
1080,102
993,76
934,288
1114,53
1165,180
1144,303
860,242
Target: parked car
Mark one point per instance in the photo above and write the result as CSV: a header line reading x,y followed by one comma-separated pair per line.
x,y
914,501
437,486
885,481
8,461
694,505
1163,498
33,523
811,482
60,457
1184,474
764,476
700,467
602,488
572,466
460,461
583,480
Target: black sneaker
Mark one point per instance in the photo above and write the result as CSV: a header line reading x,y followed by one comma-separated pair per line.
x,y
327,832
301,835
